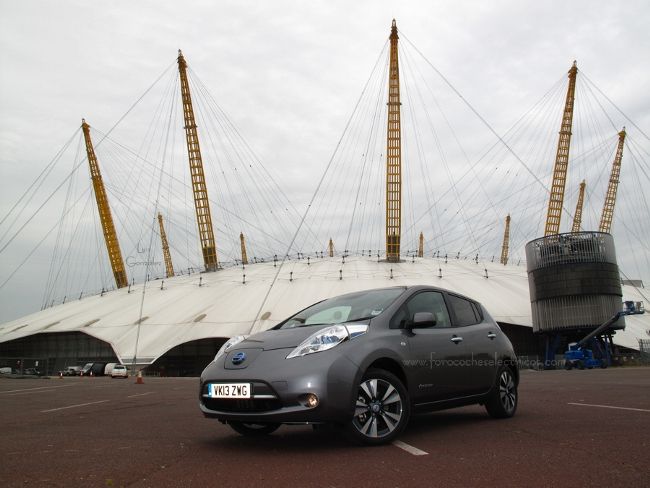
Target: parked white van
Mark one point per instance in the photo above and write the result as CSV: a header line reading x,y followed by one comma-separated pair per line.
x,y
109,368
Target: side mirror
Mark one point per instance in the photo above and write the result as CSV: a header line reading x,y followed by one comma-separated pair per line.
x,y
423,320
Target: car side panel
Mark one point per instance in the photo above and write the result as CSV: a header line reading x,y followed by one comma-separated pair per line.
x,y
480,366
432,368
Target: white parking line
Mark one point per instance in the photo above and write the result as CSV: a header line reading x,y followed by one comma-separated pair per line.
x,y
73,406
38,388
609,406
410,449
140,394
44,390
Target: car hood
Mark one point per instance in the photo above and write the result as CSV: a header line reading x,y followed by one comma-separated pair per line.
x,y
278,339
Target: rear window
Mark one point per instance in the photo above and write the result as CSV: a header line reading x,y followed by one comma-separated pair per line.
x,y
466,311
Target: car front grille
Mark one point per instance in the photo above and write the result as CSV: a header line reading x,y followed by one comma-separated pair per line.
x,y
242,405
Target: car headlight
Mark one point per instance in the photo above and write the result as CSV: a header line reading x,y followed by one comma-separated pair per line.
x,y
328,338
229,345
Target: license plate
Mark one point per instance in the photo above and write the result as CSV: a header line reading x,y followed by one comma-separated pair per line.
x,y
230,390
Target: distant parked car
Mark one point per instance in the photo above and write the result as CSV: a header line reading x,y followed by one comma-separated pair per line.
x,y
6,371
72,371
32,372
119,371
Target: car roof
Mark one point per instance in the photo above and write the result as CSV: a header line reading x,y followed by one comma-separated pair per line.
x,y
412,288
437,288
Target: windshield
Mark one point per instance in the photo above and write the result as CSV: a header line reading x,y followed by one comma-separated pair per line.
x,y
346,308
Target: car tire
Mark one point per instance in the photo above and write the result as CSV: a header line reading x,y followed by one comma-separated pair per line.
x,y
502,400
382,408
252,429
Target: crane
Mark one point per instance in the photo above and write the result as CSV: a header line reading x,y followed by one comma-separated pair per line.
x,y
577,217
610,198
105,217
201,201
556,200
393,156
169,267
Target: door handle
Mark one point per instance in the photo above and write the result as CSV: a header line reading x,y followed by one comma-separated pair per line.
x,y
491,335
456,339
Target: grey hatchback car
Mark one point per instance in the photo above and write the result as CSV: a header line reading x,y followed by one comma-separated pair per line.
x,y
364,361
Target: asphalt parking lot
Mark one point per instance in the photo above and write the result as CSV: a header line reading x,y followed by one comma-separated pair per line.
x,y
573,428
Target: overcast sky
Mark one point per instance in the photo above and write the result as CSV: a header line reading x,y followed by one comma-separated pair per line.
x,y
287,72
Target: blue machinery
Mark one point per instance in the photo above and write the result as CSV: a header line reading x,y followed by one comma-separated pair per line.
x,y
581,354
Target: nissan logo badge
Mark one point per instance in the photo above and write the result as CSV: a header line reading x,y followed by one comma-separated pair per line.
x,y
238,358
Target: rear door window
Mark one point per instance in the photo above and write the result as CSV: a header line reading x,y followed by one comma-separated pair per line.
x,y
465,311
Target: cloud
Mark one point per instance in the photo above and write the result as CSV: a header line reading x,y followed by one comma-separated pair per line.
x,y
288,74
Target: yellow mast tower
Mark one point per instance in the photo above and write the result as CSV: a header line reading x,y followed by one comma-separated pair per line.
x,y
201,201
244,255
331,248
421,246
506,242
105,217
577,218
169,266
610,199
393,156
556,201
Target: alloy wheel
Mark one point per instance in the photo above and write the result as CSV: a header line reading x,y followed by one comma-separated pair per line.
x,y
507,391
379,408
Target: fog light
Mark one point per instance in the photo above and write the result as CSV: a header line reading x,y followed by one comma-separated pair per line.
x,y
311,400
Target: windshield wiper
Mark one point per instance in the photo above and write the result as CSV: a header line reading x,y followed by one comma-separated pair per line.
x,y
357,319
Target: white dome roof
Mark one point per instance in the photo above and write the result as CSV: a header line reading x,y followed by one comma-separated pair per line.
x,y
220,304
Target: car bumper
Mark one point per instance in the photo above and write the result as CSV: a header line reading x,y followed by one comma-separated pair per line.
x,y
280,387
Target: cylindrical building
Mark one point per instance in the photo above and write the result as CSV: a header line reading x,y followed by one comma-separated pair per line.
x,y
574,281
